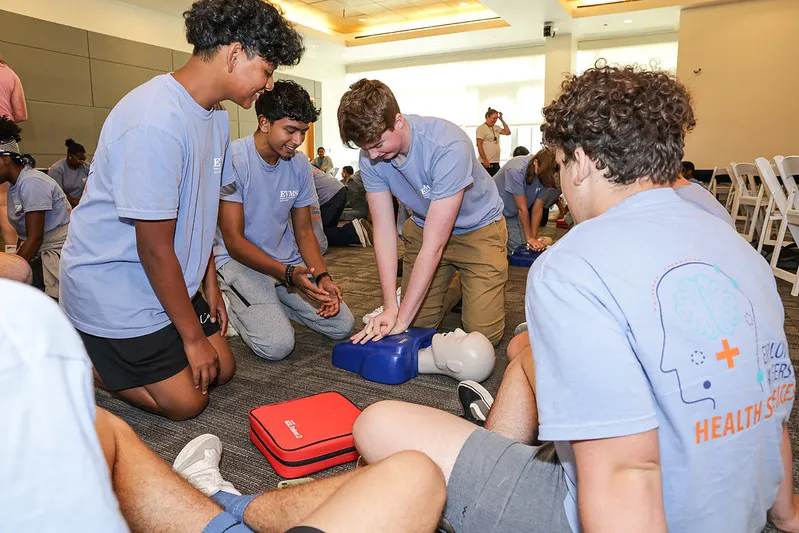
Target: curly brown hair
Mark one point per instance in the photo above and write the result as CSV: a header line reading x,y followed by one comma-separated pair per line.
x,y
365,112
629,120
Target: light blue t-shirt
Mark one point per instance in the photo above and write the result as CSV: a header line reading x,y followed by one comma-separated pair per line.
x,y
701,197
161,156
36,191
268,194
72,181
441,162
511,180
326,186
673,329
50,445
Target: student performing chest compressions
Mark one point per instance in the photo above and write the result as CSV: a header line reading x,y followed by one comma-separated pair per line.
x,y
429,165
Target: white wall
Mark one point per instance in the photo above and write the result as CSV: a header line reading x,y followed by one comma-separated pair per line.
x,y
322,62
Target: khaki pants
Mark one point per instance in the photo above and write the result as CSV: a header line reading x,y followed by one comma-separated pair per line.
x,y
481,258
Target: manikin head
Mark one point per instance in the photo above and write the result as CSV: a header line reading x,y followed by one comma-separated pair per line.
x,y
461,355
369,118
616,132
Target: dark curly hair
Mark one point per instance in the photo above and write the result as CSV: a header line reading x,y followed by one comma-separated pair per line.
x,y
258,25
287,99
629,120
73,147
9,131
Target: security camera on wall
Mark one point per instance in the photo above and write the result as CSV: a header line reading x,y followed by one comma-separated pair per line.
x,y
549,30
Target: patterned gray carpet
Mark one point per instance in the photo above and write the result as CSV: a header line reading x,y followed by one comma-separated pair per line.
x,y
308,370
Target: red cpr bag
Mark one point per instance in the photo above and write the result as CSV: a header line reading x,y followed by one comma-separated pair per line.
x,y
303,436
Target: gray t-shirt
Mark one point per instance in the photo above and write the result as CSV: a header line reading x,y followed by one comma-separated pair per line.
x,y
267,193
326,186
356,193
71,181
679,330
35,191
441,162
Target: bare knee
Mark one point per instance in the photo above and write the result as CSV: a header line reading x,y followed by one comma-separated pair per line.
x,y
422,473
370,424
186,409
517,344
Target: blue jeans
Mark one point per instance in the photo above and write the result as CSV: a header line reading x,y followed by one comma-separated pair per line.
x,y
231,520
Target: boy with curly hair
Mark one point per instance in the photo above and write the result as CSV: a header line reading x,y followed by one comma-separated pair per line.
x,y
141,240
671,380
268,258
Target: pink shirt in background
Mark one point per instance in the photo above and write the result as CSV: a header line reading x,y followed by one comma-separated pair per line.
x,y
8,81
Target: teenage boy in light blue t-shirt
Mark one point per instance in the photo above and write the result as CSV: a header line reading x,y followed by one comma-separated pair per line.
x,y
456,224
260,255
141,240
668,392
524,182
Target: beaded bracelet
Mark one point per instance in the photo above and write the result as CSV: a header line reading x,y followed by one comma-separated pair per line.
x,y
289,271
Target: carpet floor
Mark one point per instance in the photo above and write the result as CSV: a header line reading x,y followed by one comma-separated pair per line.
x,y
308,370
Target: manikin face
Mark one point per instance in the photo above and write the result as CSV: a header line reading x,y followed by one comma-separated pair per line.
x,y
457,352
389,145
251,77
492,119
284,136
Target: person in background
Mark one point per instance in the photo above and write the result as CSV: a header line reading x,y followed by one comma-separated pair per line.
x,y
71,172
322,161
332,199
523,182
13,106
37,209
357,206
144,229
488,140
688,171
520,150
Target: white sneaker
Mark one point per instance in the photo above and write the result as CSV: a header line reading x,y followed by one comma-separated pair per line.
x,y
360,231
10,249
198,463
370,316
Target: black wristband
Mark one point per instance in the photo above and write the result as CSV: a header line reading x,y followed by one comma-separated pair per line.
x,y
289,271
322,276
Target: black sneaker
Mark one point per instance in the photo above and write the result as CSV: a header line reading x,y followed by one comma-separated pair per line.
x,y
475,399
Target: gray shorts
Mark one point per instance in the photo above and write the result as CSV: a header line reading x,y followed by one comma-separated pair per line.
x,y
499,485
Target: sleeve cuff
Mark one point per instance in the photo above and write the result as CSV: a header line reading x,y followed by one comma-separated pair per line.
x,y
583,431
141,214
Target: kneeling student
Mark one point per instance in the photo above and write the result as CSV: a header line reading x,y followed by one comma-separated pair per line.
x,y
261,262
37,209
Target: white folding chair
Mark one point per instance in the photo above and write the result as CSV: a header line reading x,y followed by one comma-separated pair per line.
x,y
746,196
788,168
717,189
789,220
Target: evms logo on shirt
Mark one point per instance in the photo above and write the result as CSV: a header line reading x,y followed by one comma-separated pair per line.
x,y
711,346
217,165
288,196
425,190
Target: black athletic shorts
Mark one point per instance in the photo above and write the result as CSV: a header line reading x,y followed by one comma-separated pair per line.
x,y
127,363
304,529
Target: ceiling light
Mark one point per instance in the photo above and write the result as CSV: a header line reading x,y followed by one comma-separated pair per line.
x,y
628,21
464,4
361,20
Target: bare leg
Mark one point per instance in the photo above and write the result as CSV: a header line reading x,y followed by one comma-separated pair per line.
x,y
6,230
404,493
389,427
518,344
176,398
514,414
151,496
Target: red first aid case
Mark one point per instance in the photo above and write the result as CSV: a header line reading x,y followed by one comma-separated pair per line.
x,y
303,436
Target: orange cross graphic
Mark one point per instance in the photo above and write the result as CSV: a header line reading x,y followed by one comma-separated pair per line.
x,y
727,353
